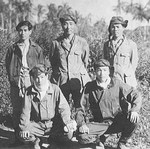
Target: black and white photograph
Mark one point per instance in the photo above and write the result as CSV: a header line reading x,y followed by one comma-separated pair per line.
x,y
74,74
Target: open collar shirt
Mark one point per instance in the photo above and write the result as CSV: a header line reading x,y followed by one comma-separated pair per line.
x,y
46,109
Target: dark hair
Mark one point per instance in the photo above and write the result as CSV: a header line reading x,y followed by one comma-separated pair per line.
x,y
24,23
38,69
101,63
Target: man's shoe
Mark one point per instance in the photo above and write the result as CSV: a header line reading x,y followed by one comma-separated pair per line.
x,y
37,144
123,146
100,145
16,143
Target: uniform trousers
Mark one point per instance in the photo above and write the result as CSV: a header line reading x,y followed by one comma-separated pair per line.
x,y
96,129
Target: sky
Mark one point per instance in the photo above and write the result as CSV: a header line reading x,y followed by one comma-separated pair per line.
x,y
97,9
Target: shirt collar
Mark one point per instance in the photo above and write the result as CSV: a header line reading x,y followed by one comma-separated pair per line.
x,y
30,43
120,40
109,84
50,89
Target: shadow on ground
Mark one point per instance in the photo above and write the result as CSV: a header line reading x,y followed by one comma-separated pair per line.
x,y
7,137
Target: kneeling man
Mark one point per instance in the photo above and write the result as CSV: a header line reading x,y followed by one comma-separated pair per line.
x,y
45,110
107,106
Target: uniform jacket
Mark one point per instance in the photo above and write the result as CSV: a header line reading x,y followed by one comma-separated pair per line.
x,y
46,109
99,105
68,63
124,59
14,60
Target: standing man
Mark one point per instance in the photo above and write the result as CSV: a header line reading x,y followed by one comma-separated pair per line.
x,y
69,59
20,58
107,106
121,52
45,111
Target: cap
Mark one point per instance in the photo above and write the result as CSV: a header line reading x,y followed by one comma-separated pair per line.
x,y
67,17
119,20
101,63
38,69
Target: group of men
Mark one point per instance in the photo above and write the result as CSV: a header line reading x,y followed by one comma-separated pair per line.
x,y
108,104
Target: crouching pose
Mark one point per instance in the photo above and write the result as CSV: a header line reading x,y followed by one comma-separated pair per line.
x,y
108,106
45,111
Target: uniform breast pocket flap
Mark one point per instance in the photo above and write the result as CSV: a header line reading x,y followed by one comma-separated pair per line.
x,y
78,52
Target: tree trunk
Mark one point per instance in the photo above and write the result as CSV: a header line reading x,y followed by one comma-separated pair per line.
x,y
2,19
39,19
17,19
10,14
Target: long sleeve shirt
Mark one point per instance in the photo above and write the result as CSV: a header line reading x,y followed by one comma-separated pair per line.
x,y
123,58
69,60
100,104
37,110
14,63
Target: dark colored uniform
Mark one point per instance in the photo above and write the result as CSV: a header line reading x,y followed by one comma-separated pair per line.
x,y
13,67
105,111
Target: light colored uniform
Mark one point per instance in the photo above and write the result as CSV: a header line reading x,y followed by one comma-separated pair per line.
x,y
69,61
45,116
123,58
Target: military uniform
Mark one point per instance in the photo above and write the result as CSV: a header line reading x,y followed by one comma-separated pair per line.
x,y
106,110
47,116
121,52
69,62
124,60
18,75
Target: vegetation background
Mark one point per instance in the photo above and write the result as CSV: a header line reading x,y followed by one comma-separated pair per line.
x,y
48,28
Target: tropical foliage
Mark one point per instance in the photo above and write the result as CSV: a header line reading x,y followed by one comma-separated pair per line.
x,y
47,27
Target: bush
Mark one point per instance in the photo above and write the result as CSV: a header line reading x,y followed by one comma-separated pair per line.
x,y
96,35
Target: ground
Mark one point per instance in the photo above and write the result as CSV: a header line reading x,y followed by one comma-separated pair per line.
x,y
7,137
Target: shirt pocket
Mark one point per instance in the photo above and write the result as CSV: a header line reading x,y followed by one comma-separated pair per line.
x,y
77,56
46,110
124,58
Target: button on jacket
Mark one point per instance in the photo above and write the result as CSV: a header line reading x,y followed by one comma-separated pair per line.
x,y
46,109
69,60
106,104
14,60
124,59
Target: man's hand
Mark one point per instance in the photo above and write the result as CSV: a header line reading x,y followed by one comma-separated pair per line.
x,y
71,126
84,129
25,134
134,117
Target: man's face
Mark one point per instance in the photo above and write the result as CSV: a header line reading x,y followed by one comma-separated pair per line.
x,y
40,80
24,33
102,73
116,30
68,27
